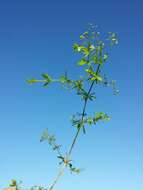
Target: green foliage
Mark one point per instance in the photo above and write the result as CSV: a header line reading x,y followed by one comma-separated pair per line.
x,y
77,121
46,136
80,48
51,140
46,80
101,116
74,169
93,75
65,80
82,62
69,165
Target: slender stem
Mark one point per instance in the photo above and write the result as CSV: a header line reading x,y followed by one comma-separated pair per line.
x,y
61,171
83,113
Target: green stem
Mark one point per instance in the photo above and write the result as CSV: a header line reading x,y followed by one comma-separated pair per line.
x,y
83,113
61,171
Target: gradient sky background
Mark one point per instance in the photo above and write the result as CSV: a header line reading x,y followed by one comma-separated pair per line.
x,y
36,37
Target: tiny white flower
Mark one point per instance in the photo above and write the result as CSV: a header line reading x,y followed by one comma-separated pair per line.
x,y
92,47
78,49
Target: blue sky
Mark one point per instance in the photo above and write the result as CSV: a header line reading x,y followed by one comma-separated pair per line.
x,y
36,37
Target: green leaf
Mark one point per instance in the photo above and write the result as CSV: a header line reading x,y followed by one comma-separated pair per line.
x,y
46,76
62,79
90,120
47,79
33,80
75,170
85,51
45,135
78,84
77,47
82,62
96,77
101,116
65,80
89,71
46,84
82,37
80,48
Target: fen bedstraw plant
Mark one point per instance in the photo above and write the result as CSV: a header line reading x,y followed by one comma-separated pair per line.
x,y
94,54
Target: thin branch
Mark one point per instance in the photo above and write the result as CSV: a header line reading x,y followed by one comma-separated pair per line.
x,y
61,171
83,114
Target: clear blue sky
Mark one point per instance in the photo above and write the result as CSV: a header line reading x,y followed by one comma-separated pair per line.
x,y
36,37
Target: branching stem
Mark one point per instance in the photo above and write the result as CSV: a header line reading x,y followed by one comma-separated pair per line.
x,y
61,171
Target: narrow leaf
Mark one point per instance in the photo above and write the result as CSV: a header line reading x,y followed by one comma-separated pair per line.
x,y
82,62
